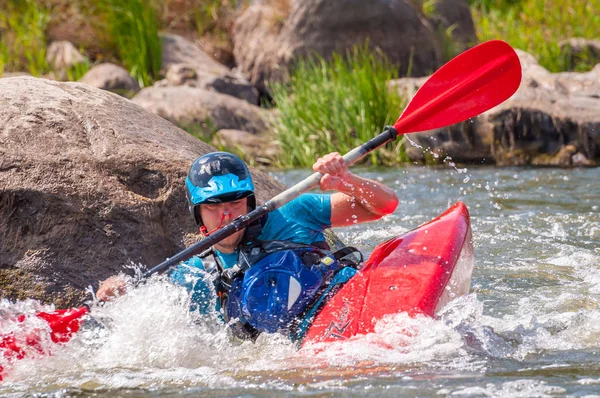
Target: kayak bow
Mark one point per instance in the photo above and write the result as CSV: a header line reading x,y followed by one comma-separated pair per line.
x,y
418,272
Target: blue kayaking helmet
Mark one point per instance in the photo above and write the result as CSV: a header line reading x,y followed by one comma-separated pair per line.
x,y
218,177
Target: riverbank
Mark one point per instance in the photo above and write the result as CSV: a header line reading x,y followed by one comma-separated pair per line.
x,y
232,74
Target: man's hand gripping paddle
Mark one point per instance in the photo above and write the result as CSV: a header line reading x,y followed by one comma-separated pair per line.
x,y
469,84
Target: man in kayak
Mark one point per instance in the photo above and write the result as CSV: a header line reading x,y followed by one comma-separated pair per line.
x,y
269,273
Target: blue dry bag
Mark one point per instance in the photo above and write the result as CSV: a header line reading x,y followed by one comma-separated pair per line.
x,y
278,288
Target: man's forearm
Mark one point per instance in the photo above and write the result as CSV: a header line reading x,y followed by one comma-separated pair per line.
x,y
373,196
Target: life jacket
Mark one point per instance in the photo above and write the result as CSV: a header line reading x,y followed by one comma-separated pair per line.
x,y
275,283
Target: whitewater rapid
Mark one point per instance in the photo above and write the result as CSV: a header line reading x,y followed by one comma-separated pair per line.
x,y
529,327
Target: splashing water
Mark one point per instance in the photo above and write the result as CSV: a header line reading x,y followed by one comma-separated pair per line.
x,y
529,327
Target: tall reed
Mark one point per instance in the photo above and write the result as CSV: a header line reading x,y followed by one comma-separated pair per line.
x,y
22,37
537,26
134,26
335,105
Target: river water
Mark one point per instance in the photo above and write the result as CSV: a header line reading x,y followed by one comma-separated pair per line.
x,y
530,326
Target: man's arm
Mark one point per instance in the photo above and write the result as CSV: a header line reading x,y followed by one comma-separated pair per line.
x,y
357,199
116,285
112,287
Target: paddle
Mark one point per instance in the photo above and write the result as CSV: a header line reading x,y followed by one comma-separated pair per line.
x,y
466,86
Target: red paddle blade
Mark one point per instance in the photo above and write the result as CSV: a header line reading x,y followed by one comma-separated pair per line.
x,y
469,84
63,324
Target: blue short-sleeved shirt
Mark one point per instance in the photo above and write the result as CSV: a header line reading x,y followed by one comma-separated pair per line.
x,y
301,220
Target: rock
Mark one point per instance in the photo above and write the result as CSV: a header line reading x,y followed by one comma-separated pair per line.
x,y
579,159
185,63
252,148
407,87
184,74
14,74
89,182
220,48
562,158
201,111
180,74
179,50
111,77
62,55
580,50
415,155
458,143
585,85
267,40
547,113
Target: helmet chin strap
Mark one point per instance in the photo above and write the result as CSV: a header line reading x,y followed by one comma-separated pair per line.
x,y
204,232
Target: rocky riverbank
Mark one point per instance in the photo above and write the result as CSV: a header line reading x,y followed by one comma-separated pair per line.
x,y
552,121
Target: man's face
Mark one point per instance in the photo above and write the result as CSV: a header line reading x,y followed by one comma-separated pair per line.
x,y
222,214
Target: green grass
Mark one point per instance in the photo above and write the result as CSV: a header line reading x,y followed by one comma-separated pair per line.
x,y
22,37
336,105
76,71
537,26
133,26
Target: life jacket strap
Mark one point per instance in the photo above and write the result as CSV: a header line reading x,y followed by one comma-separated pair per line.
x,y
346,251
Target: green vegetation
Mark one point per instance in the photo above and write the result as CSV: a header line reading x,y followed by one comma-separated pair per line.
x,y
212,15
76,71
537,26
22,37
133,27
336,105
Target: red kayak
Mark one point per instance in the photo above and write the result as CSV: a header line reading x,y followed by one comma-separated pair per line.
x,y
418,272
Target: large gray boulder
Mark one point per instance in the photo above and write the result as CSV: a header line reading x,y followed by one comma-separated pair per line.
x,y
267,39
89,182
